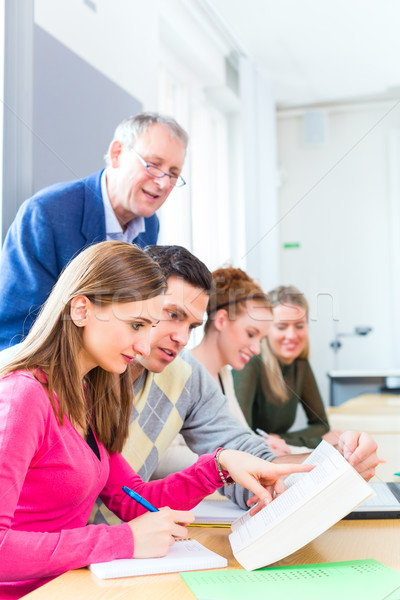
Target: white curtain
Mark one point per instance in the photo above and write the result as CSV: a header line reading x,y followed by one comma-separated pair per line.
x,y
260,176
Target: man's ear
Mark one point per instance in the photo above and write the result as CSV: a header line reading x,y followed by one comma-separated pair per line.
x,y
220,319
114,153
79,310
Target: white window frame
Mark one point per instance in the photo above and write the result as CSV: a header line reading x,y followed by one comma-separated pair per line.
x,y
201,211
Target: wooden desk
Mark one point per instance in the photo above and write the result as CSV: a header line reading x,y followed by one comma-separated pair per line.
x,y
347,540
384,407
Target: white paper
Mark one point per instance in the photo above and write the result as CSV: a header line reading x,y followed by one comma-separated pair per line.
x,y
330,464
217,511
184,555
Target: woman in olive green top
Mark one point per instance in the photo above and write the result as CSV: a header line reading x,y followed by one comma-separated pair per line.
x,y
272,385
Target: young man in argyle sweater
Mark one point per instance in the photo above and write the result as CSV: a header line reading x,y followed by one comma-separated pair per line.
x,y
174,393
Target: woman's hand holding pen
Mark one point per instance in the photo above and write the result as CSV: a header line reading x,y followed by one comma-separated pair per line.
x,y
263,478
155,532
275,442
277,445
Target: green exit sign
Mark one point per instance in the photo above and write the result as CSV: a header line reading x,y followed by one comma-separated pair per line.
x,y
291,245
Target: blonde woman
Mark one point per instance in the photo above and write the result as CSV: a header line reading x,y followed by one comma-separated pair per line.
x,y
270,388
65,401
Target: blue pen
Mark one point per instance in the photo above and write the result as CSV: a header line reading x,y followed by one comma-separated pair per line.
x,y
139,499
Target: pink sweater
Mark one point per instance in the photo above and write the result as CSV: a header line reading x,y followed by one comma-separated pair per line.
x,y
49,481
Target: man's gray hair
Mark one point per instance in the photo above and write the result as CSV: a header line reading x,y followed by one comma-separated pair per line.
x,y
132,127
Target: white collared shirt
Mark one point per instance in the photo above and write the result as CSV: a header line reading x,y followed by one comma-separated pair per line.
x,y
113,228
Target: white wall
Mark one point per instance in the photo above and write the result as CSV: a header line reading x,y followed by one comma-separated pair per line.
x,y
191,62
259,185
119,38
339,200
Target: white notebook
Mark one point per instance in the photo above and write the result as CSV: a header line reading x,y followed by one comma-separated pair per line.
x,y
217,512
184,555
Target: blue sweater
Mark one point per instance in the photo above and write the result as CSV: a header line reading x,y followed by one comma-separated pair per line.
x,y
50,228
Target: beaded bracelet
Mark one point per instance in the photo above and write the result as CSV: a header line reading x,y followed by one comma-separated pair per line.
x,y
221,474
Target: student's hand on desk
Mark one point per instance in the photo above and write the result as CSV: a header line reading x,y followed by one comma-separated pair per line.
x,y
263,478
359,449
277,445
155,532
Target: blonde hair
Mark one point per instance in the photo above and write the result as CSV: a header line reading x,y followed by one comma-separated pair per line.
x,y
105,273
290,296
232,289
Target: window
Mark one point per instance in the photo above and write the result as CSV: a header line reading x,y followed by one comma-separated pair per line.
x,y
198,213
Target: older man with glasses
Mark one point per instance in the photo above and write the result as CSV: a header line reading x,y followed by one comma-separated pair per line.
x,y
143,165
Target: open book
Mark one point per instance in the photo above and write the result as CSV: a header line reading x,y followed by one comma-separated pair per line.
x,y
184,555
311,504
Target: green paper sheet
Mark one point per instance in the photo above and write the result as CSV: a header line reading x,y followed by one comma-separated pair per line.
x,y
351,580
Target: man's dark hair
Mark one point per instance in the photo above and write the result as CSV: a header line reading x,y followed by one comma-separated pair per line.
x,y
176,261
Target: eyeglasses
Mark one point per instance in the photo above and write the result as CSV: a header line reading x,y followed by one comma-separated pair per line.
x,y
175,180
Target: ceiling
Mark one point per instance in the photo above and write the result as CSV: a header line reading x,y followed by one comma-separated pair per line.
x,y
318,51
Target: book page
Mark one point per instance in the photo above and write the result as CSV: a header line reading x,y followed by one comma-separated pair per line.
x,y
330,465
